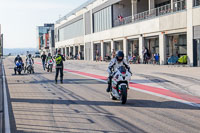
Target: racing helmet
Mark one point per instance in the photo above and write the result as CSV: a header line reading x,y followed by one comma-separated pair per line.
x,y
120,56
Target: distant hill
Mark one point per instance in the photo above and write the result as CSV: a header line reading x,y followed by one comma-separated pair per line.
x,y
21,51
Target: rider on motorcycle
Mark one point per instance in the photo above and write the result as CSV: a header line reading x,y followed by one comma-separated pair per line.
x,y
18,58
49,57
29,58
114,64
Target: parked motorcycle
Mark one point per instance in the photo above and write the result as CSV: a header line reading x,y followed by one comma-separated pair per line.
x,y
120,84
18,67
50,65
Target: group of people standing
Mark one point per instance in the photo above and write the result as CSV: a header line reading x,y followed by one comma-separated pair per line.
x,y
28,59
107,57
78,56
59,64
147,56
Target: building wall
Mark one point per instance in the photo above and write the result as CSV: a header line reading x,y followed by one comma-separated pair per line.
x,y
196,16
88,23
144,27
88,51
70,31
174,23
177,21
70,42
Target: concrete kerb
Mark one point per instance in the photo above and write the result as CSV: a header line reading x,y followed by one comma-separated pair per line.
x,y
6,118
1,99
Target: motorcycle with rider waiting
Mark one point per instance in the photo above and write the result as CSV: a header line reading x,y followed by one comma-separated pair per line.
x,y
119,78
49,63
19,65
29,65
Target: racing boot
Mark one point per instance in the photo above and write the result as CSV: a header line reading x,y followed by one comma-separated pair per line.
x,y
109,88
61,80
109,84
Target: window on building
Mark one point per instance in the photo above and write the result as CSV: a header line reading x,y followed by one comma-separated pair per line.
x,y
103,19
71,31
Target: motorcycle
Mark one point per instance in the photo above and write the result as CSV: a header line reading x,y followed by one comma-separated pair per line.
x,y
120,84
18,68
50,65
29,67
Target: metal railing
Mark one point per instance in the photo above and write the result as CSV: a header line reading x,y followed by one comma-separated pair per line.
x,y
166,9
179,6
196,3
123,21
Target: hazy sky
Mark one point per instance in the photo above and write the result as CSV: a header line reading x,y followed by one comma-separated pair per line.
x,y
19,18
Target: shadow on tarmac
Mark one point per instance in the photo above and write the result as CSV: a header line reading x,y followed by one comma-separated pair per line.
x,y
66,81
130,103
142,81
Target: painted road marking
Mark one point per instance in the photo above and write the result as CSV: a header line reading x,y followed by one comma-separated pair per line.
x,y
6,114
160,92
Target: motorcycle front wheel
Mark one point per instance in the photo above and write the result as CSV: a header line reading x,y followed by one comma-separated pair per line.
x,y
51,68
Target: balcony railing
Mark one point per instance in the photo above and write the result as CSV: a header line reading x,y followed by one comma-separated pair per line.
x,y
166,9
196,3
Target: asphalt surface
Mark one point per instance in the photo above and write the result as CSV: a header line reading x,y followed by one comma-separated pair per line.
x,y
82,105
185,80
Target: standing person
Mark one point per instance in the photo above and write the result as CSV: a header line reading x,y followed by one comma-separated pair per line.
x,y
59,66
145,55
113,53
29,63
80,53
97,55
43,57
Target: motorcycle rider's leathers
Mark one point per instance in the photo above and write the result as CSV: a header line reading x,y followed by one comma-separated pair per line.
x,y
29,60
48,59
113,65
19,59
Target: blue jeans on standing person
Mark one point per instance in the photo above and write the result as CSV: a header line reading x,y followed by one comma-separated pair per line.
x,y
43,63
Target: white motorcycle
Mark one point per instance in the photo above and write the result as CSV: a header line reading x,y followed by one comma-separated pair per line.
x,y
50,65
120,84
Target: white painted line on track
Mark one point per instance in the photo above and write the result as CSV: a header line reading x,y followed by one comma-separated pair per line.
x,y
6,113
